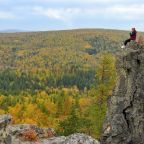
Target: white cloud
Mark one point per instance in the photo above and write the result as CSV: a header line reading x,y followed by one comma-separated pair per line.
x,y
131,12
131,9
121,12
6,15
64,14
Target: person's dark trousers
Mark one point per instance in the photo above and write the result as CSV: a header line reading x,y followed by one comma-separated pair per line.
x,y
126,41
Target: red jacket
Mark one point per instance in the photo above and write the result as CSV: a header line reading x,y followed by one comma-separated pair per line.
x,y
133,35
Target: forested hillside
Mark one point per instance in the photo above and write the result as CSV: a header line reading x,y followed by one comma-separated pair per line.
x,y
59,79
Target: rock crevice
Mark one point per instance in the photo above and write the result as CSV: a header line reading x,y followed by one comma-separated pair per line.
x,y
125,115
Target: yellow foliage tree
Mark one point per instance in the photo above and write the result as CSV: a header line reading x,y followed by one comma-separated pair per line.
x,y
105,75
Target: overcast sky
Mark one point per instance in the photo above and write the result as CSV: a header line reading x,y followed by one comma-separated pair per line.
x,y
38,15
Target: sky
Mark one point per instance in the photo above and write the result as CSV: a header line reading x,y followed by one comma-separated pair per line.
x,y
43,15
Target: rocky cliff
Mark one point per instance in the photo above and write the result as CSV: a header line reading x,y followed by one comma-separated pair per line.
x,y
125,116
31,134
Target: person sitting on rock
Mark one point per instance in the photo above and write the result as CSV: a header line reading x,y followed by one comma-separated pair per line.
x,y
133,35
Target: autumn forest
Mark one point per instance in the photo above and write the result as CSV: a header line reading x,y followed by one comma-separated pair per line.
x,y
59,79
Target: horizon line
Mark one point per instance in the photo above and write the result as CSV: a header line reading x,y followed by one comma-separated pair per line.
x,y
54,30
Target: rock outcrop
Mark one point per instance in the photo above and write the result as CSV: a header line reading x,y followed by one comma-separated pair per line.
x,y
5,138
31,134
125,116
26,132
72,139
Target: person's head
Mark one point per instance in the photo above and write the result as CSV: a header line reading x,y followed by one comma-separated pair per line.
x,y
133,29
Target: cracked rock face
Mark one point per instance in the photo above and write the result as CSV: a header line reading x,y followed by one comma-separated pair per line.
x,y
125,116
